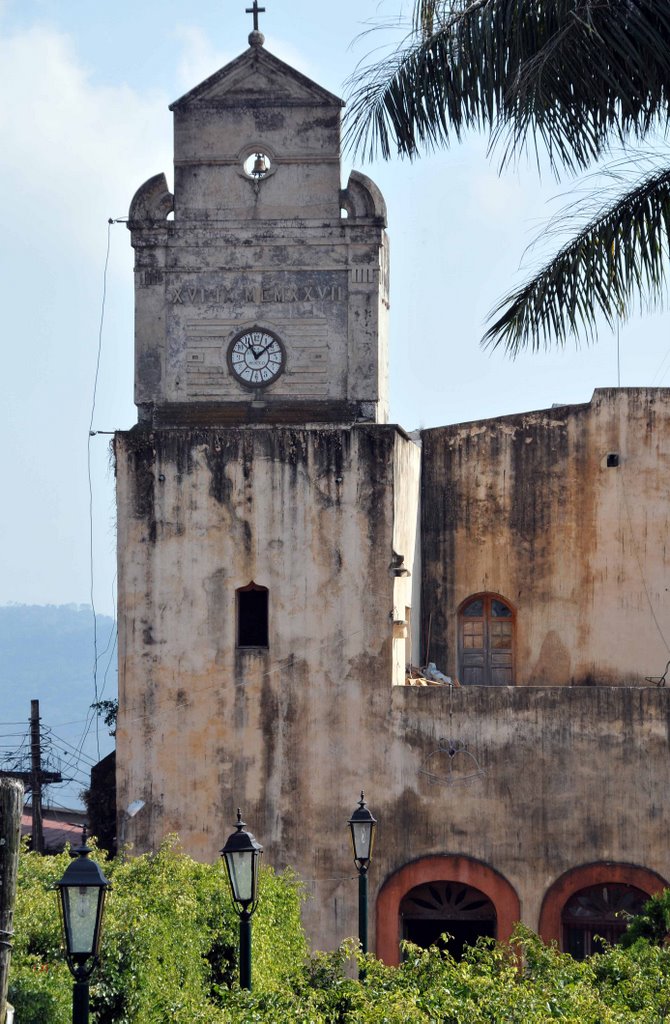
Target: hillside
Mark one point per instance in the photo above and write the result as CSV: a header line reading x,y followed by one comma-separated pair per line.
x,y
46,653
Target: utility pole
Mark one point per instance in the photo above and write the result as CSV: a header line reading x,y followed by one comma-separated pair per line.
x,y
36,776
11,806
35,779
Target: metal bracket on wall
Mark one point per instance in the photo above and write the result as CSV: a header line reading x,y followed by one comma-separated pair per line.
x,y
460,765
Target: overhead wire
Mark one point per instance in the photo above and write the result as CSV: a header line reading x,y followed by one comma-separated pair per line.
x,y
90,478
264,676
69,751
638,559
665,369
57,755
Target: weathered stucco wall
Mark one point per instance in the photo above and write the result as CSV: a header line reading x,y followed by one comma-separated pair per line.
x,y
526,507
205,726
570,776
406,612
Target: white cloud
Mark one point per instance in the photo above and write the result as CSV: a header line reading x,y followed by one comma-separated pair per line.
x,y
75,152
200,58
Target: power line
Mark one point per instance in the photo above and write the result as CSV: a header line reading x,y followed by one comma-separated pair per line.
x,y
90,762
90,479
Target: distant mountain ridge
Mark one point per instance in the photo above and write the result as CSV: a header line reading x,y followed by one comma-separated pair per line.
x,y
47,653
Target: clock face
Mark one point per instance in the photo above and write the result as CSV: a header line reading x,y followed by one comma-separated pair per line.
x,y
256,358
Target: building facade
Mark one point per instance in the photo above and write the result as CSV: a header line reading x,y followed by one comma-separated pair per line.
x,y
285,554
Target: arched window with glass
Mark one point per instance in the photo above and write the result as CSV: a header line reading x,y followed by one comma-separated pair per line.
x,y
486,641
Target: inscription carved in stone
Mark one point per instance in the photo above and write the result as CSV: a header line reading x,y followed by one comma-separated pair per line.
x,y
221,294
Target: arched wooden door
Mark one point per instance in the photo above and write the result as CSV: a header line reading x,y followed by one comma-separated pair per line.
x,y
486,641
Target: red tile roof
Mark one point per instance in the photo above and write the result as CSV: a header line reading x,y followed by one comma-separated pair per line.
x,y
57,832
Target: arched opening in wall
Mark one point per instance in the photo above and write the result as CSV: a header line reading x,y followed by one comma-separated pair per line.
x,y
596,914
583,903
252,616
460,895
486,641
437,909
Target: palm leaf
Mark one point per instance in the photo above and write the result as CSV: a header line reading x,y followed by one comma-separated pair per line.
x,y
622,253
567,75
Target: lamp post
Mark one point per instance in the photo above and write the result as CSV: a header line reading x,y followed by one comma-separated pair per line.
x,y
362,826
81,891
241,854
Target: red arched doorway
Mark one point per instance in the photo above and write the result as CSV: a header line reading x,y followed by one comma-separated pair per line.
x,y
559,914
461,871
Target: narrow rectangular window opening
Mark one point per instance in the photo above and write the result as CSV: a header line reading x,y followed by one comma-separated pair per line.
x,y
612,460
252,616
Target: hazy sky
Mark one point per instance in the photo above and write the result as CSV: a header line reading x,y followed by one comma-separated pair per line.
x,y
84,92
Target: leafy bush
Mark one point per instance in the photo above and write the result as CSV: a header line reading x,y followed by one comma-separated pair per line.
x,y
653,923
170,940
170,946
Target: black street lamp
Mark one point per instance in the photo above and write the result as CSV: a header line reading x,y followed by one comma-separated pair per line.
x,y
362,826
82,892
241,854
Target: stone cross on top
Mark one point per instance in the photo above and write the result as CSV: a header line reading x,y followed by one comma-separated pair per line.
x,y
255,10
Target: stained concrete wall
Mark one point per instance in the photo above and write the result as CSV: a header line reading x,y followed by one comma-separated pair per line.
x,y
282,732
551,777
570,776
525,506
544,778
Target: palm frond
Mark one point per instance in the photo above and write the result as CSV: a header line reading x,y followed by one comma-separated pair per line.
x,y
567,75
621,253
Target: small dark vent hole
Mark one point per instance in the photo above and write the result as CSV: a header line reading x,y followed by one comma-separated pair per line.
x,y
612,460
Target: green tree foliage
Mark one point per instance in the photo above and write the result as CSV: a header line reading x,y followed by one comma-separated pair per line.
x,y
653,924
570,79
170,948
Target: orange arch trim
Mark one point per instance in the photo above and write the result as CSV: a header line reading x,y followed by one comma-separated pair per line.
x,y
451,868
599,873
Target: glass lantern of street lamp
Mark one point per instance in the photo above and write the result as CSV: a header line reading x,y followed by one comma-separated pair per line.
x,y
362,825
82,891
241,854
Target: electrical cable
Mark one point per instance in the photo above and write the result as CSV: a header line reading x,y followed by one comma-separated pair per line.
x,y
638,559
661,370
90,480
264,676
71,762
73,751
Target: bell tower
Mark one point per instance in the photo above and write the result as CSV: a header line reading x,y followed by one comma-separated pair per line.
x,y
261,286
267,512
